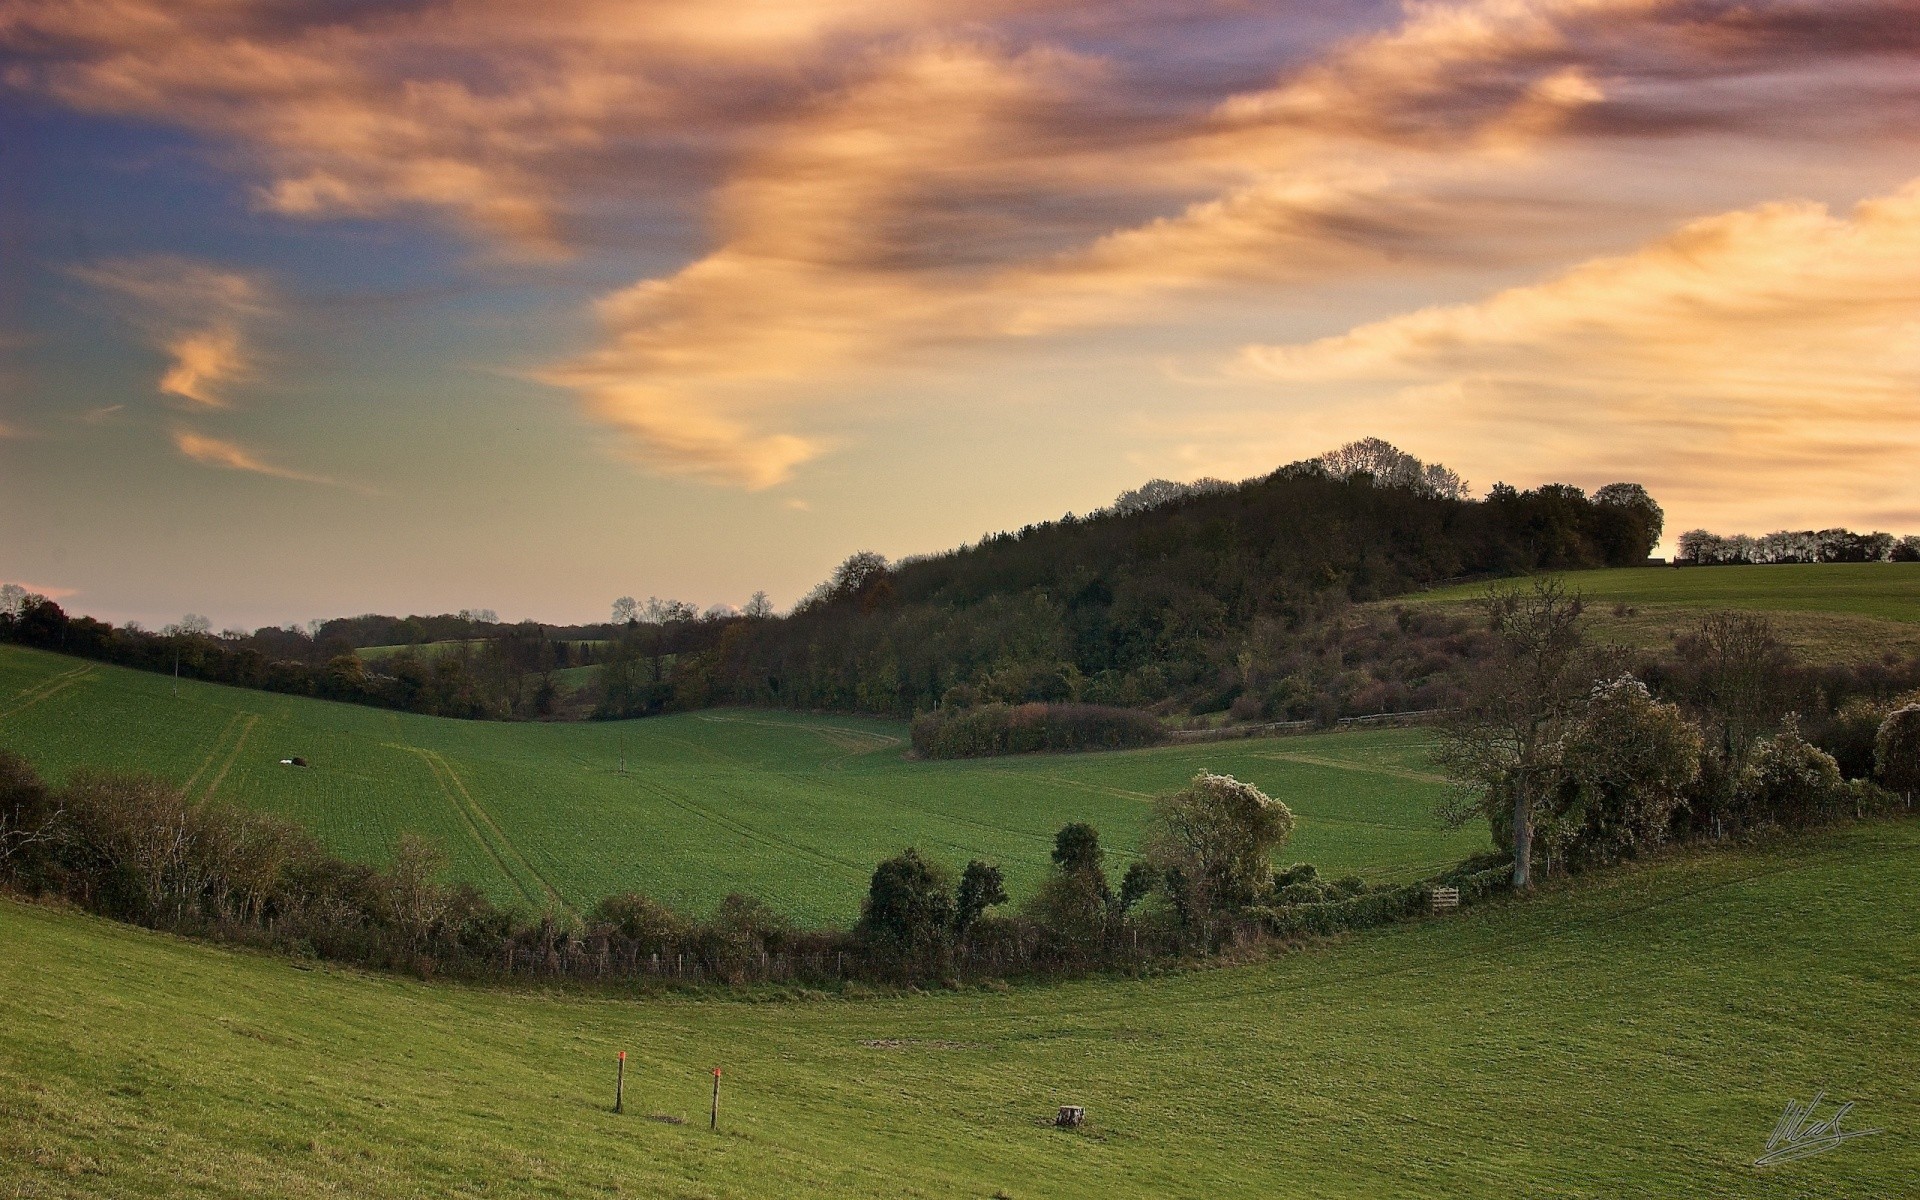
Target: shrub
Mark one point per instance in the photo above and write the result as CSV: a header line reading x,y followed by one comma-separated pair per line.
x,y
1220,835
909,907
1627,762
1789,780
993,729
651,925
981,887
1896,752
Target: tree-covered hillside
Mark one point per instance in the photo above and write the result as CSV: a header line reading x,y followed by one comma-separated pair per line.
x,y
1208,596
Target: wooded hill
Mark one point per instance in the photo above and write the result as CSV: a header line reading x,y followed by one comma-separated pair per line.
x,y
1228,592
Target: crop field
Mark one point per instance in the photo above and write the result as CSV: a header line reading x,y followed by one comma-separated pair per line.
x,y
1833,611
1637,1034
1888,591
794,807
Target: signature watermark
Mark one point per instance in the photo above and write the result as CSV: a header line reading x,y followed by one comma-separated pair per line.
x,y
1797,1135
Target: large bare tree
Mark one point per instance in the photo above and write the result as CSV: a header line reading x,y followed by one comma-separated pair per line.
x,y
1502,747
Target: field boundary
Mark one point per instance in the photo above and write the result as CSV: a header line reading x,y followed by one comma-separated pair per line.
x,y
1315,760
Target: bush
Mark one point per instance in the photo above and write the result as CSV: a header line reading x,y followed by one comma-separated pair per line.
x,y
909,908
993,729
1219,835
1790,781
1896,752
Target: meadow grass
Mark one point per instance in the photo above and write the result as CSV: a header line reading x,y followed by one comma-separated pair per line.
x,y
1830,612
1888,591
795,807
1634,1034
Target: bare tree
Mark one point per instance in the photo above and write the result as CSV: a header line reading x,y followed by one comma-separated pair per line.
x,y
1501,748
759,607
626,611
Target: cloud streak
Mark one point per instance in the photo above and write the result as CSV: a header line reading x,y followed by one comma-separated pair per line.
x,y
231,456
888,188
1754,357
195,313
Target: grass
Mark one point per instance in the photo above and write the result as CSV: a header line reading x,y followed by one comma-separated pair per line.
x,y
1635,1035
795,807
1830,612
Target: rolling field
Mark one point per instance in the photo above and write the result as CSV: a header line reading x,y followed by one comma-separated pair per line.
x,y
1887,591
1833,611
797,808
1637,1035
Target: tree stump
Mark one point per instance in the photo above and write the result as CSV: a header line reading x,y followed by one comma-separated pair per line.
x,y
1070,1116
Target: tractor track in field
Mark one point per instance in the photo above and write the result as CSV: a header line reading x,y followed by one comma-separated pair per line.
x,y
46,688
480,823
246,722
212,753
1315,760
733,825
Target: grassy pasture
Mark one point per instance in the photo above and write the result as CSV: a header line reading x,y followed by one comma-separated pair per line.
x,y
1635,1035
795,807
1832,611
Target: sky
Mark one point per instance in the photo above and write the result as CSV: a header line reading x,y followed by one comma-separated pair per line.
x,y
311,309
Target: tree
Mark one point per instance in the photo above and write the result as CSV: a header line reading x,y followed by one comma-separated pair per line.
x,y
981,887
1501,748
13,598
1896,752
626,611
1076,851
1072,901
1639,520
909,907
759,607
416,900
1735,673
1219,835
1627,760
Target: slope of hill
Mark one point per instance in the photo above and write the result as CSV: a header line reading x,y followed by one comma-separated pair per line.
x,y
796,808
1638,1035
1838,612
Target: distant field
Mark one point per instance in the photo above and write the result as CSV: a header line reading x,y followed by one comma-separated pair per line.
x,y
1637,1036
797,808
1840,610
1888,591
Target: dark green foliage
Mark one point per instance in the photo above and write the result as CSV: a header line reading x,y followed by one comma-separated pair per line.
x,y
909,907
1139,882
992,729
981,887
1076,847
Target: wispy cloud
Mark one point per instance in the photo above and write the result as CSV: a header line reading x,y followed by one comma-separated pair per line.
x,y
195,313
1758,356
885,186
217,452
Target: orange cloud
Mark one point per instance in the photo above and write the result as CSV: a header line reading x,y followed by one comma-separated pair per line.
x,y
1749,360
193,312
883,184
214,452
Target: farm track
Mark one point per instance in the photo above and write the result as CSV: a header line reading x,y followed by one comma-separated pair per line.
x,y
213,752
485,831
47,688
233,755
1315,760
734,825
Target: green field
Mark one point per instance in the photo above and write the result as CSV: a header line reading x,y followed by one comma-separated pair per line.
x,y
1837,611
1636,1036
797,808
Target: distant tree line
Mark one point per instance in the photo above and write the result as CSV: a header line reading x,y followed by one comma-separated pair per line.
x,y
1698,547
470,665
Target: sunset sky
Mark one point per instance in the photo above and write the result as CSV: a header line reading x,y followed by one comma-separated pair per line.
x,y
321,308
